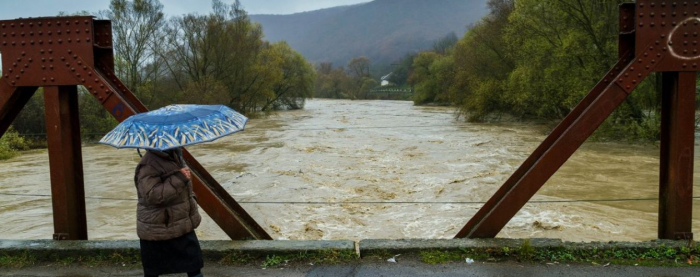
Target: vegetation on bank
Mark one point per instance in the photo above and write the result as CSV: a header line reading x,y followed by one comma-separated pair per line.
x,y
534,60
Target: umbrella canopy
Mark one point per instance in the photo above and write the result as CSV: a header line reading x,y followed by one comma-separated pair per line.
x,y
175,126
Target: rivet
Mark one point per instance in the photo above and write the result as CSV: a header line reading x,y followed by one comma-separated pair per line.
x,y
50,66
52,79
72,69
82,80
43,79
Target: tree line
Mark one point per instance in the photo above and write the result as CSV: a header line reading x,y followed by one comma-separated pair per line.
x,y
216,58
533,60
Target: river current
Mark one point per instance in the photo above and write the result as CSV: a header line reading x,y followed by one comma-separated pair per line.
x,y
366,169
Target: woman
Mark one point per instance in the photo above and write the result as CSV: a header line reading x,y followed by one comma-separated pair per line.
x,y
167,215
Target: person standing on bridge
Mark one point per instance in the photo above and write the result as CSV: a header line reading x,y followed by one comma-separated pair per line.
x,y
167,211
167,215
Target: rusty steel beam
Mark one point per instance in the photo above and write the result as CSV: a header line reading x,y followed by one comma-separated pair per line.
x,y
626,52
542,149
65,159
12,100
677,154
241,225
70,51
214,199
557,149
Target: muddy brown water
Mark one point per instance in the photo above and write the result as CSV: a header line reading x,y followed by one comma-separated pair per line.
x,y
386,168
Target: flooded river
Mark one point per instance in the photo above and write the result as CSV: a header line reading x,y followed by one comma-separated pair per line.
x,y
371,169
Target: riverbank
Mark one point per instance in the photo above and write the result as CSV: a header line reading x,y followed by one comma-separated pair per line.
x,y
281,254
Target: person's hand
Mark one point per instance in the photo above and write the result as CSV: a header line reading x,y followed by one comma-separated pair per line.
x,y
186,171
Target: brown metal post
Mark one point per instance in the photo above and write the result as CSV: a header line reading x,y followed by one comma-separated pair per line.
x,y
677,148
65,159
12,100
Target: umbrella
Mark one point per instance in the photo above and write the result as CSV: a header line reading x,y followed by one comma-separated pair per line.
x,y
175,126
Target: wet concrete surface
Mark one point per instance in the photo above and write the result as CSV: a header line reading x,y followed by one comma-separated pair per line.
x,y
376,268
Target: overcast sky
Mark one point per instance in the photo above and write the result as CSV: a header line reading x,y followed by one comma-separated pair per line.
x,y
10,9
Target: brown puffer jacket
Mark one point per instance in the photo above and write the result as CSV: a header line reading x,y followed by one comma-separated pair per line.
x,y
167,206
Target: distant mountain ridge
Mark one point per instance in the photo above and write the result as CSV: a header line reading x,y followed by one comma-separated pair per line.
x,y
383,30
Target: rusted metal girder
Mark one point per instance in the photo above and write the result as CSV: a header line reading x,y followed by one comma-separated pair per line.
x,y
65,160
668,32
12,100
63,52
677,154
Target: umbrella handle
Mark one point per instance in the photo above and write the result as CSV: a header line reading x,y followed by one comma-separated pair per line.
x,y
138,150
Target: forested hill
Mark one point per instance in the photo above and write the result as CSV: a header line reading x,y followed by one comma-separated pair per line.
x,y
383,30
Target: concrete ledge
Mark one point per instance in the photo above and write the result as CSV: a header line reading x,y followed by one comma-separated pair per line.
x,y
45,250
371,247
212,250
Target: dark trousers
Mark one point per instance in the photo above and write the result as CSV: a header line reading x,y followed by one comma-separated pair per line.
x,y
189,274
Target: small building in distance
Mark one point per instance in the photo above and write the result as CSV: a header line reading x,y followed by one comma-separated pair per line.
x,y
385,79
